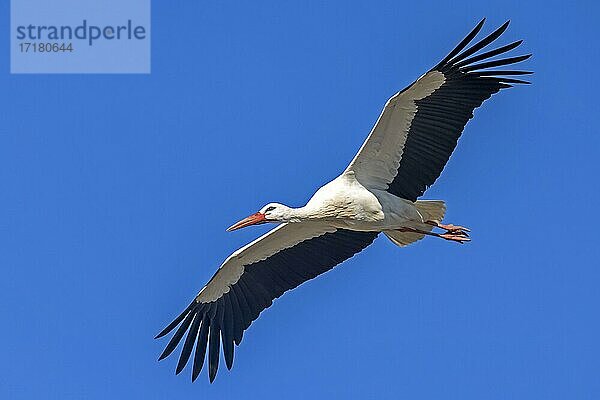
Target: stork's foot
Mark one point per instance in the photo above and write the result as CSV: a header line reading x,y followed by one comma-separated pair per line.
x,y
452,230
459,238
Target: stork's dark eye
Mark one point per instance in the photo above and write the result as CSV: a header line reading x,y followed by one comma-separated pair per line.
x,y
269,209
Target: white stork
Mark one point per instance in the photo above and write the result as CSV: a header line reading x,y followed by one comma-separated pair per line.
x,y
403,155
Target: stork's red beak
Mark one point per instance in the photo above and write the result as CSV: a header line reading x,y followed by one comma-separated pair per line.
x,y
254,219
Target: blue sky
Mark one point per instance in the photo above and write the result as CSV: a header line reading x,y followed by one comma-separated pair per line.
x,y
117,189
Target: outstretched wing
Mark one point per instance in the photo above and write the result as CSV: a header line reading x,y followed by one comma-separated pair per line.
x,y
419,127
247,283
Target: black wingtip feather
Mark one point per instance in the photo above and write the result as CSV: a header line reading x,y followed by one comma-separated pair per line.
x,y
227,332
489,54
201,343
177,337
495,63
500,72
462,44
481,44
214,349
188,344
176,321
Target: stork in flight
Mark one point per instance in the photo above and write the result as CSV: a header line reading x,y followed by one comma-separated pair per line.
x,y
403,155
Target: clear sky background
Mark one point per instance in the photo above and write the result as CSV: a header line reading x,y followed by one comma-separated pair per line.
x,y
116,191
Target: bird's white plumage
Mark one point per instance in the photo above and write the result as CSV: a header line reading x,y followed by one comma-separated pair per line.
x,y
376,163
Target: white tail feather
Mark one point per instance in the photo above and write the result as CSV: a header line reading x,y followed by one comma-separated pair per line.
x,y
430,210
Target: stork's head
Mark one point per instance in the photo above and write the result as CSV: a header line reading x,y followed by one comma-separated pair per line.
x,y
272,212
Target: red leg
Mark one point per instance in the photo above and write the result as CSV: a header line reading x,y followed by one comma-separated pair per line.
x,y
452,236
450,228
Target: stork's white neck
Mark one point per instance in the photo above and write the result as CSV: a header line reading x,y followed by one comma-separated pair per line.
x,y
300,214
311,212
